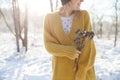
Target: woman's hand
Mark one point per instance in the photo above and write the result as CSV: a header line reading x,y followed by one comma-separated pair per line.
x,y
78,53
76,78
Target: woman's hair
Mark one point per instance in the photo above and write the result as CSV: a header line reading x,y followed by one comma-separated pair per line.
x,y
64,1
66,4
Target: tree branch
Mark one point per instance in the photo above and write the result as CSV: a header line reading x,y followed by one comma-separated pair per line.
x,y
9,27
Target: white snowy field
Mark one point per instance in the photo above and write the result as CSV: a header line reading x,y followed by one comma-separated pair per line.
x,y
36,63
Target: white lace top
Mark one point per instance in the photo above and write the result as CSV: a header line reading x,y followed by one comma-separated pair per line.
x,y
67,23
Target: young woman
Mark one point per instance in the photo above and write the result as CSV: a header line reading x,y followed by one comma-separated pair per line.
x,y
59,34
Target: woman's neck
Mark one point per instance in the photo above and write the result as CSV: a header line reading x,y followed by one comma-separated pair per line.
x,y
66,11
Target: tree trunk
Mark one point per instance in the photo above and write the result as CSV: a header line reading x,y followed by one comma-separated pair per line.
x,y
56,4
26,28
101,30
16,23
51,5
116,22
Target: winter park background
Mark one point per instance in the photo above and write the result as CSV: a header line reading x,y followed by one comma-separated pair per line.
x,y
35,64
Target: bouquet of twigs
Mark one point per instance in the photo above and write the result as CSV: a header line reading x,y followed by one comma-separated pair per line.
x,y
81,39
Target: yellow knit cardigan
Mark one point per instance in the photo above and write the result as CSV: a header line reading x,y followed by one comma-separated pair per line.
x,y
63,48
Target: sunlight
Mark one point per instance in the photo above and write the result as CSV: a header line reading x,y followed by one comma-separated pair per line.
x,y
39,7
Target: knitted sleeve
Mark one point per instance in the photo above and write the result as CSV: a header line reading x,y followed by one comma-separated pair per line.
x,y
88,52
53,46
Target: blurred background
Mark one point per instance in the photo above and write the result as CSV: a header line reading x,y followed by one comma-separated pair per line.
x,y
22,52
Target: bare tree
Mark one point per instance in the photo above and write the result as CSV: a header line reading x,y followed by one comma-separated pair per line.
x,y
116,20
100,24
56,4
25,41
51,5
6,22
18,28
16,19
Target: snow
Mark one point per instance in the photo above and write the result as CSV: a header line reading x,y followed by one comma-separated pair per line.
x,y
107,64
35,64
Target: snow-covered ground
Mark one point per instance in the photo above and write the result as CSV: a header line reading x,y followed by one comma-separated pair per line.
x,y
36,63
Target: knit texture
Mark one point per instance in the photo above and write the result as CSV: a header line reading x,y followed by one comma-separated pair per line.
x,y
63,48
